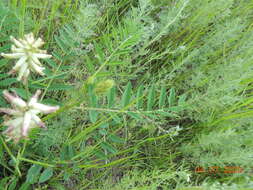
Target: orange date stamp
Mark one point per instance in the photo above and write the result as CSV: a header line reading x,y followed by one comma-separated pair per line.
x,y
217,169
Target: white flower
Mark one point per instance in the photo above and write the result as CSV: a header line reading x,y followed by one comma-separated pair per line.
x,y
28,52
24,115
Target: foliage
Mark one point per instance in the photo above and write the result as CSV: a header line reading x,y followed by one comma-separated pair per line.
x,y
149,90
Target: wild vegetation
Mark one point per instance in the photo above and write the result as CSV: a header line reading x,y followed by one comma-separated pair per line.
x,y
153,95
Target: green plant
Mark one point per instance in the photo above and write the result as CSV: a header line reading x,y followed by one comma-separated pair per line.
x,y
148,90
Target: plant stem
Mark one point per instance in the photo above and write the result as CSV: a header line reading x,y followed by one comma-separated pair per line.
x,y
27,89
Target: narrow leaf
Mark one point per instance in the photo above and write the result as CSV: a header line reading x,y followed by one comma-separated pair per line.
x,y
162,97
140,97
151,98
111,97
115,138
108,147
13,184
172,97
116,118
46,175
182,99
7,82
3,62
54,87
33,174
151,115
52,63
127,95
117,63
21,92
25,186
134,115
93,116
93,103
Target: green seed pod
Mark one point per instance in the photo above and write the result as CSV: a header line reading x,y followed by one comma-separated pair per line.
x,y
103,86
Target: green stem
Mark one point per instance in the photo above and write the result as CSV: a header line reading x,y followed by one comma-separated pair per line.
x,y
27,89
12,156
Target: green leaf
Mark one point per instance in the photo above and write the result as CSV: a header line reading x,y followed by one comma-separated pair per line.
x,y
151,115
104,126
176,108
172,97
51,101
66,37
111,97
61,44
58,56
92,96
52,63
7,82
90,64
4,47
116,118
117,63
3,62
162,97
140,97
4,75
13,184
93,114
108,147
134,115
46,175
115,139
151,98
67,152
100,52
3,182
100,154
25,186
21,92
123,51
54,87
36,86
182,99
127,95
102,132
33,174
165,113
104,74
2,101
1,153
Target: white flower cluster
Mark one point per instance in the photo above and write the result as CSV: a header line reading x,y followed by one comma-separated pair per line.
x,y
28,52
23,116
